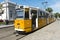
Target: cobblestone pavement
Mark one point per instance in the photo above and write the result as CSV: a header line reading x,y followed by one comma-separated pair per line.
x,y
50,32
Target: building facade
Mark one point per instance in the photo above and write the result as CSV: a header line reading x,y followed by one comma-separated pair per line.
x,y
9,11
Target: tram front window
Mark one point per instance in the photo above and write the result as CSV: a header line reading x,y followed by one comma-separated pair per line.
x,y
20,14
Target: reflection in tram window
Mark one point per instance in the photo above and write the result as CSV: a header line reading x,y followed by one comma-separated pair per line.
x,y
19,14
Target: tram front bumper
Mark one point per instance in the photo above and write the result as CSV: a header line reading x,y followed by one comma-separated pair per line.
x,y
19,29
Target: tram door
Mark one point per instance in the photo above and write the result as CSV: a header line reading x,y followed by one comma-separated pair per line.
x,y
34,16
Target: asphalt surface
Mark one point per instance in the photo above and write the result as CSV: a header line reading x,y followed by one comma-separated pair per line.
x,y
9,34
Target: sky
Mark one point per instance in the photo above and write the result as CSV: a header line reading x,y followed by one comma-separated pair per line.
x,y
54,4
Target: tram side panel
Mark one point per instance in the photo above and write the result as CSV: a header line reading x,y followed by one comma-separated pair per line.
x,y
28,25
19,24
23,25
41,22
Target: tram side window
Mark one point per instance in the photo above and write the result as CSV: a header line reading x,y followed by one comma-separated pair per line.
x,y
40,13
47,15
27,14
44,13
34,13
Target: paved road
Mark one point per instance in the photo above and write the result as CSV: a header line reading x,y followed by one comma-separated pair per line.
x,y
8,34
50,32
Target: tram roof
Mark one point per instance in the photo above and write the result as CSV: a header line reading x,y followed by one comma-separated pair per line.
x,y
33,8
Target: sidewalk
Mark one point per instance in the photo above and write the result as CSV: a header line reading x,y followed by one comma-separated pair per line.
x,y
2,26
49,32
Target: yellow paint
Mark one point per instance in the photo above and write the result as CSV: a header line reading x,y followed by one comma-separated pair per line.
x,y
23,24
28,29
42,22
27,25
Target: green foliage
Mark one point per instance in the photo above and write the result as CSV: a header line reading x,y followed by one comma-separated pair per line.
x,y
2,23
57,15
0,6
49,9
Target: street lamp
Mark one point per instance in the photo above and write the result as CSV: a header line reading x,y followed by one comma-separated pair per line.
x,y
44,4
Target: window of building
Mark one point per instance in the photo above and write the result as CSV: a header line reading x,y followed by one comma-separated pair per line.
x,y
11,14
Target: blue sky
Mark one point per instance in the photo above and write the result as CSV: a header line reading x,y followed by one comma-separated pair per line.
x,y
54,4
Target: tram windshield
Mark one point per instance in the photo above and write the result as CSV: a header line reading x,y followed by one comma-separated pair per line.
x,y
20,13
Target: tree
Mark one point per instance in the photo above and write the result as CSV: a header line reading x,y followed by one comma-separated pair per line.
x,y
49,9
0,6
1,11
59,15
56,15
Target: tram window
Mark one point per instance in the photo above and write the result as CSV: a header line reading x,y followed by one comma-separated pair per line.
x,y
47,15
27,14
34,12
20,14
44,13
40,13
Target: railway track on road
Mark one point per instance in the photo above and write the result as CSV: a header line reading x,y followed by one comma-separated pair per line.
x,y
12,35
9,34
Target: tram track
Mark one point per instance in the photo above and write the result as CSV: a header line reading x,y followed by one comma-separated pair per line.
x,y
9,34
14,36
20,36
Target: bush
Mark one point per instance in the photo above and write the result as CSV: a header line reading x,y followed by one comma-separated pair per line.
x,y
1,20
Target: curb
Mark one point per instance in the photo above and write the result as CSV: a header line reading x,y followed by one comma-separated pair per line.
x,y
4,26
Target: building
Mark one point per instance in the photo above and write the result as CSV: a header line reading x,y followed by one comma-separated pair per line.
x,y
9,11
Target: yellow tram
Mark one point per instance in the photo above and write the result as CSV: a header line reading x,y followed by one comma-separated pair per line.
x,y
29,19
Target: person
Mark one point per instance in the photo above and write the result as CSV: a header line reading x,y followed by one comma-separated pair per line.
x,y
34,20
6,22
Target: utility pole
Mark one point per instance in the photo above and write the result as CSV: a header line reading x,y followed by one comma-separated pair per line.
x,y
44,4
